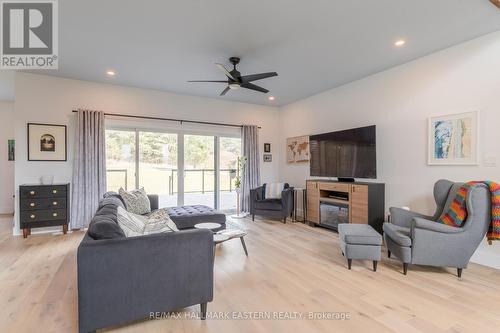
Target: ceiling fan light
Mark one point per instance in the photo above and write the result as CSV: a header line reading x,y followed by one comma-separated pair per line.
x,y
234,86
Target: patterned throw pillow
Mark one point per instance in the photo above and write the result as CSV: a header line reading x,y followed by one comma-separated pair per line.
x,y
273,190
136,201
159,221
138,225
131,224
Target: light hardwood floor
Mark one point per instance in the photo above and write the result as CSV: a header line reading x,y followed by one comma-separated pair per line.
x,y
290,267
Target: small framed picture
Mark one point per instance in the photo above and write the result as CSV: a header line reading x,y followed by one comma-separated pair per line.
x,y
47,142
11,146
267,147
268,158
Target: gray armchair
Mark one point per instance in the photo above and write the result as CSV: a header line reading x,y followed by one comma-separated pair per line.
x,y
418,239
271,207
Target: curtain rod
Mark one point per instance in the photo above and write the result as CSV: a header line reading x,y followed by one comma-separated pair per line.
x,y
171,119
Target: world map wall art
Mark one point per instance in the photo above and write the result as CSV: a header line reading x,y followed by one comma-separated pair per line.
x,y
453,139
297,149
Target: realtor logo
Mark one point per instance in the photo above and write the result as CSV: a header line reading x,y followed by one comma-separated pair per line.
x,y
29,34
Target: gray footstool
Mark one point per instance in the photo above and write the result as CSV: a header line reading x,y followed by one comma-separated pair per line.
x,y
360,241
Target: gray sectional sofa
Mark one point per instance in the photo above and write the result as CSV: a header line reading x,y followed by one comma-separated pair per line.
x,y
125,279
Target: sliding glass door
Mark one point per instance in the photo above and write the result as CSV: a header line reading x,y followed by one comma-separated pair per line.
x,y
158,165
229,151
152,159
120,159
199,170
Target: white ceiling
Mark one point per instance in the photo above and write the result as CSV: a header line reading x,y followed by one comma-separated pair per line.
x,y
314,45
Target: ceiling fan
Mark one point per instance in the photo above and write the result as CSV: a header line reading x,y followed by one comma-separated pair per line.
x,y
235,80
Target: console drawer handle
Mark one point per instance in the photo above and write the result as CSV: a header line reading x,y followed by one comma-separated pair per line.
x,y
32,216
32,204
54,191
54,203
32,192
54,214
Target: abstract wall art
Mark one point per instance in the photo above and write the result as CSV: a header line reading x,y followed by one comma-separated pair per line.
x,y
453,139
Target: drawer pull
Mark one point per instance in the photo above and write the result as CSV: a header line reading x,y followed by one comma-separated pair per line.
x,y
32,216
54,214
54,203
32,204
54,191
32,192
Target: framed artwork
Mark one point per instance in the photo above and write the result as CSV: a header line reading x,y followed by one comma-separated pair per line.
x,y
297,149
267,147
268,158
10,148
453,139
47,142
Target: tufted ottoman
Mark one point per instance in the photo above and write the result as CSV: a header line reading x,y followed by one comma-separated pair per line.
x,y
360,241
185,217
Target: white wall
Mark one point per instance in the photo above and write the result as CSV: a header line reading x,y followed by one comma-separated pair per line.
x,y
48,99
6,166
399,101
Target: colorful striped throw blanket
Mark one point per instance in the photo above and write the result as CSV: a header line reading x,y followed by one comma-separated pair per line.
x,y
457,213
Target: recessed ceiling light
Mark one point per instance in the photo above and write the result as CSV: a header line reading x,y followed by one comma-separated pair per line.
x,y
400,42
271,98
111,73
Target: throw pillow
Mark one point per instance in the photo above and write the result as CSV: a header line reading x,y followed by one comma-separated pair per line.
x,y
159,221
136,201
138,225
131,224
273,190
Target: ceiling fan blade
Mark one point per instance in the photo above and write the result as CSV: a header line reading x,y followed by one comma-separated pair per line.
x,y
254,87
226,72
255,77
224,91
218,81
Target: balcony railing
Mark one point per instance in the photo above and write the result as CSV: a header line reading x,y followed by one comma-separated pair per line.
x,y
172,178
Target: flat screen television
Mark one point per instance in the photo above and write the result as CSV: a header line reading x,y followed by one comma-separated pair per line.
x,y
348,154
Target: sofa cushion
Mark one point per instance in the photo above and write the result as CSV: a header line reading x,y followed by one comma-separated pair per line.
x,y
186,217
400,235
105,228
360,234
271,204
110,201
136,201
111,194
103,224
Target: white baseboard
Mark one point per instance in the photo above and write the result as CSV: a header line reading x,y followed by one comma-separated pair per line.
x,y
487,258
34,231
7,209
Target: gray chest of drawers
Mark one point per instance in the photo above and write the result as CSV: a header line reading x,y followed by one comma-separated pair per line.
x,y
43,206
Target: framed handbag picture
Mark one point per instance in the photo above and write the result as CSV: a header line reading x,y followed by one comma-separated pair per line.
x,y
47,142
267,147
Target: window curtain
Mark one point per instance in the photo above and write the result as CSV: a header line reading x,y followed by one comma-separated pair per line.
x,y
251,172
89,167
